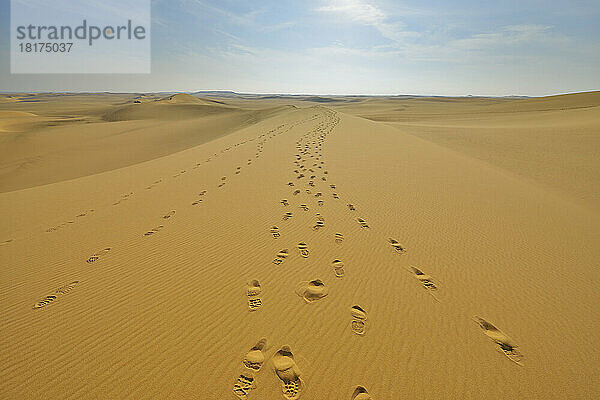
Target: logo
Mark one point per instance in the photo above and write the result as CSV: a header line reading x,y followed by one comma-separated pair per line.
x,y
69,36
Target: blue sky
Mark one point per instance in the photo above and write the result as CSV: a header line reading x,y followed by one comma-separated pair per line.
x,y
525,47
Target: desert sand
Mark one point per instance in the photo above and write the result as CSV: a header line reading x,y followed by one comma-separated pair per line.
x,y
170,246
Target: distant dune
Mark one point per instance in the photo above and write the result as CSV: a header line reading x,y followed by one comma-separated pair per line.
x,y
64,139
551,141
184,98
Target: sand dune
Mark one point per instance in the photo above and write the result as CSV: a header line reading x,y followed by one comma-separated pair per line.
x,y
185,98
101,137
11,121
551,141
207,265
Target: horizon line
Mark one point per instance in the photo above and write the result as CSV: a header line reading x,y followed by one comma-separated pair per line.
x,y
228,91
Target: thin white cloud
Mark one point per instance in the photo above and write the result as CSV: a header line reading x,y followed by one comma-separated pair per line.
x,y
228,35
356,10
159,21
248,19
369,14
241,49
506,36
279,26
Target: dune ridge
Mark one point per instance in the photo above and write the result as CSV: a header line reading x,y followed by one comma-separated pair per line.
x,y
47,149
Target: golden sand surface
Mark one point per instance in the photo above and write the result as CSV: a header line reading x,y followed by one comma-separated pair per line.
x,y
172,247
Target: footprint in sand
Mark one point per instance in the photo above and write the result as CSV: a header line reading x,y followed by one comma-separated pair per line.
x,y
338,268
67,288
362,222
96,256
507,347
288,372
253,292
255,358
285,202
153,230
45,301
123,198
243,386
360,393
287,216
318,225
320,202
303,249
275,232
426,281
51,298
296,192
339,238
169,214
195,203
359,320
281,256
304,207
290,183
351,207
335,196
311,290
397,246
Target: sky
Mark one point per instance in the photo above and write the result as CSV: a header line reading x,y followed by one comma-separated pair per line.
x,y
385,47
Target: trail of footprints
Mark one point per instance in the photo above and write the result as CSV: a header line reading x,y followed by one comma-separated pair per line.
x,y
307,161
254,290
254,299
262,139
66,223
310,291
